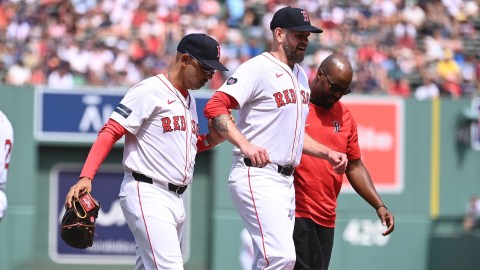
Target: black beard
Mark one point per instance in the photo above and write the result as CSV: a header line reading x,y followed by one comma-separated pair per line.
x,y
291,56
324,104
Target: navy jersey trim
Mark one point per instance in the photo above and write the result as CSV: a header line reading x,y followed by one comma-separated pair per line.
x,y
123,110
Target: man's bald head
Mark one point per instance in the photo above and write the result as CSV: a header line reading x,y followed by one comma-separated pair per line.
x,y
333,81
338,67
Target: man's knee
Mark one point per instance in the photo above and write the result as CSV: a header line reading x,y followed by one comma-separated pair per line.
x,y
282,261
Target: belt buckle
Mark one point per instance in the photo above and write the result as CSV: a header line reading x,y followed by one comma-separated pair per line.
x,y
287,170
180,189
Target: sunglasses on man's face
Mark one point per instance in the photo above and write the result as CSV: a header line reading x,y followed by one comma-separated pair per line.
x,y
208,70
335,88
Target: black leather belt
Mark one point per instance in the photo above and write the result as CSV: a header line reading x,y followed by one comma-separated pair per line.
x,y
285,170
172,187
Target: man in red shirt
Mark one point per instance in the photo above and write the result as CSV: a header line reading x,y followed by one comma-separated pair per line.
x,y
316,183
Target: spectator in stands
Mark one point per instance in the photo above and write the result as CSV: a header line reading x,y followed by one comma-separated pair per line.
x,y
399,87
236,9
61,77
414,14
138,37
428,89
18,74
472,214
469,78
366,82
3,73
448,72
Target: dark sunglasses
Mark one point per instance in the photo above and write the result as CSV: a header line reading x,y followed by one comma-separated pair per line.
x,y
208,70
335,88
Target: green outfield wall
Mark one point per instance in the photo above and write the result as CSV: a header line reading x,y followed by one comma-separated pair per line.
x,y
437,174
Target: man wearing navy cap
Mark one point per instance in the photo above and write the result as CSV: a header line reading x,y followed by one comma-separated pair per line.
x,y
272,95
159,119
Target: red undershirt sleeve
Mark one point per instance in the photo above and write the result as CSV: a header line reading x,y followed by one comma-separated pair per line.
x,y
110,133
201,143
219,104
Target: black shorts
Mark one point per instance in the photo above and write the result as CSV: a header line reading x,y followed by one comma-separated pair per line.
x,y
313,245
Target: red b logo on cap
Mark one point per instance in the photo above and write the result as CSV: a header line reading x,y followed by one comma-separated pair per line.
x,y
305,16
218,51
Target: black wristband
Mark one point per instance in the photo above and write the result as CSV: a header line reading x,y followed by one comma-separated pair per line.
x,y
381,205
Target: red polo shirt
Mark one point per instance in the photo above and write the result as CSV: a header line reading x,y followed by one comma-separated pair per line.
x,y
316,184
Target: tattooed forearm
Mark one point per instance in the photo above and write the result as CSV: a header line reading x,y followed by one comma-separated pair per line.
x,y
221,122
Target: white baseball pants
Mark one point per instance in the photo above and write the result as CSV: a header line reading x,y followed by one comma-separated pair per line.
x,y
265,200
156,218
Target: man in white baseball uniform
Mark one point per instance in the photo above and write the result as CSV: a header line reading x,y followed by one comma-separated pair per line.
x,y
159,120
6,146
272,94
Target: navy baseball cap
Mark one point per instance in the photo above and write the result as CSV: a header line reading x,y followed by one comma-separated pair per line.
x,y
203,48
294,19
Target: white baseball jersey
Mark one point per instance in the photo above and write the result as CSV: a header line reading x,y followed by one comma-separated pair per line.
x,y
161,143
163,128
6,145
273,102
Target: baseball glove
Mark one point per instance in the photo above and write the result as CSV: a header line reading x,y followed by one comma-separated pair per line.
x,y
78,222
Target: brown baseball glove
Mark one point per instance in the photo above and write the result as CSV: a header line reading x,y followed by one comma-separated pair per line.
x,y
78,222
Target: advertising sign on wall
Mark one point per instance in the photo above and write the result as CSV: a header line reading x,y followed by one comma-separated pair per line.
x,y
78,115
381,138
113,241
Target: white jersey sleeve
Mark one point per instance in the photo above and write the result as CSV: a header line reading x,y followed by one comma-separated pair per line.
x,y
243,85
141,98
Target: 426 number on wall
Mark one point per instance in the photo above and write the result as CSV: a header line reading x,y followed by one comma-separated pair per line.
x,y
365,232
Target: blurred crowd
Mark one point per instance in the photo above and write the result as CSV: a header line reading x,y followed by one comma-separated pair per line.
x,y
472,214
420,49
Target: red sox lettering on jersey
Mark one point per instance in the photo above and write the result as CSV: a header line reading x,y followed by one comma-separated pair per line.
x,y
289,96
178,123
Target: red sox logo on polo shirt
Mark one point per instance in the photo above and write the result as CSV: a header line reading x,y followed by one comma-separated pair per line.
x,y
336,126
305,16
